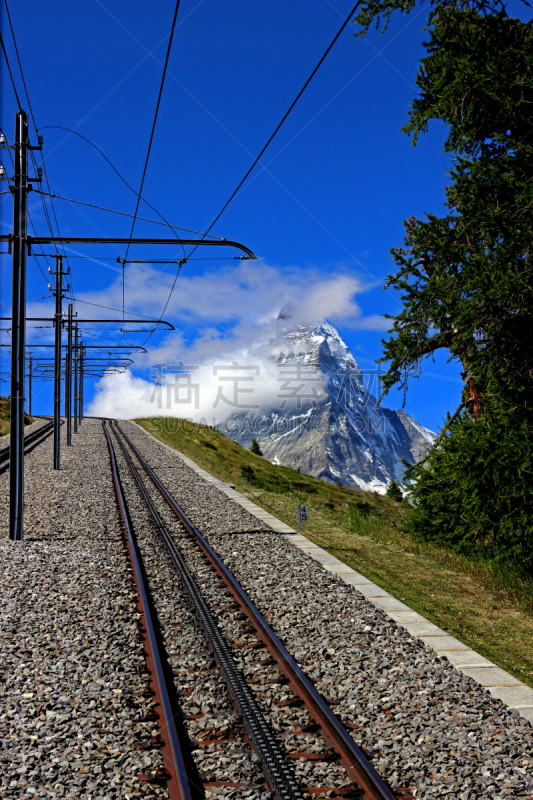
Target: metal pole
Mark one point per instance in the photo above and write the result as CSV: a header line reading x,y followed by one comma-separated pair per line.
x,y
18,355
65,382
76,378
29,390
82,353
68,378
58,321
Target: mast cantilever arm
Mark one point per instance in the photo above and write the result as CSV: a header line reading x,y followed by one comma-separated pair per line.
x,y
31,240
80,321
90,347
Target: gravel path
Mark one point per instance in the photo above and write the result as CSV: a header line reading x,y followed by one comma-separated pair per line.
x,y
70,690
424,724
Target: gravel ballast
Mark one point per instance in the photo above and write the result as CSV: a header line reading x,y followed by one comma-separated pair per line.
x,y
72,706
34,426
424,724
288,720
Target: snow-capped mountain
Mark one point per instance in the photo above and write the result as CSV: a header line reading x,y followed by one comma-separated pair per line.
x,y
328,422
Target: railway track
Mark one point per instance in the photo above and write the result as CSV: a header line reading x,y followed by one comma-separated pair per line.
x,y
31,441
230,609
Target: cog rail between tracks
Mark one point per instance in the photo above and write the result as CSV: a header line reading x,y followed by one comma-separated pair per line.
x,y
278,775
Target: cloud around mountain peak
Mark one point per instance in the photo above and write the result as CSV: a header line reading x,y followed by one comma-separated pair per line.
x,y
233,315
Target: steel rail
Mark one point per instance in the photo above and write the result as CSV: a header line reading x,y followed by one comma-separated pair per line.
x,y
352,758
31,441
178,783
279,776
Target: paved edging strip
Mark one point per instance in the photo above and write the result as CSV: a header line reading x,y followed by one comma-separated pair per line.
x,y
500,684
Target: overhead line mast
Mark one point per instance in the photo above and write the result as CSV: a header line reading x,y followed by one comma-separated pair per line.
x,y
20,245
21,186
58,321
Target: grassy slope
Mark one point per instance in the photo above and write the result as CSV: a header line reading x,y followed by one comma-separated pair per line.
x,y
4,416
462,597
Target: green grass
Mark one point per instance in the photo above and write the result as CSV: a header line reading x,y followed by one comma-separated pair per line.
x,y
481,605
5,416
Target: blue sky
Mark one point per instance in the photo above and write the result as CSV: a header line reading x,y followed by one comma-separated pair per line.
x,y
339,178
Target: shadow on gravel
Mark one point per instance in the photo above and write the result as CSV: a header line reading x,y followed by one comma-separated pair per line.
x,y
29,539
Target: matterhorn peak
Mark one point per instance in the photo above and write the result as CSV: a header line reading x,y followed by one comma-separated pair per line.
x,y
326,420
287,312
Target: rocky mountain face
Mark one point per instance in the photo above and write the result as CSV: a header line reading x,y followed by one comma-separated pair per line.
x,y
327,422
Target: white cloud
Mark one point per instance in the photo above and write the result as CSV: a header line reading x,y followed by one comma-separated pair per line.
x,y
214,385
122,396
250,291
375,322
221,316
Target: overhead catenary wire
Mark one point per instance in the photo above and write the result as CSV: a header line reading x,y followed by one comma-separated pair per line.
x,y
20,65
292,105
10,73
36,254
123,214
33,300
268,143
124,181
45,210
110,308
155,119
150,148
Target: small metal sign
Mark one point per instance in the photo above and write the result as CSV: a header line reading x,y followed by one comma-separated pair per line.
x,y
303,516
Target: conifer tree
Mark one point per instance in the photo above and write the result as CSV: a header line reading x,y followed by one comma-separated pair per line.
x,y
394,491
255,448
466,278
